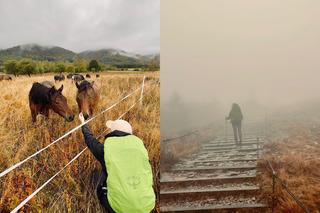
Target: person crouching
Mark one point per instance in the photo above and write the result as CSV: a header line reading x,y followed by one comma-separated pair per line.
x,y
127,181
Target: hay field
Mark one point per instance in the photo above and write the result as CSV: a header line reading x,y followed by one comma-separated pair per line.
x,y
74,189
295,157
176,147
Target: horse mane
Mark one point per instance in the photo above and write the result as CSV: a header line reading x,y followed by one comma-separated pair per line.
x,y
39,94
84,85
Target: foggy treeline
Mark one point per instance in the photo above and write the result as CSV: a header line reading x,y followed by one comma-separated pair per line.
x,y
262,55
179,115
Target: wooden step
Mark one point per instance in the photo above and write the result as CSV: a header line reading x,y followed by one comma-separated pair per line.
x,y
234,168
238,178
213,150
226,160
230,144
252,208
209,190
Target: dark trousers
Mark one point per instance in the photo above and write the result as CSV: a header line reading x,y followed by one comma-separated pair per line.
x,y
102,195
102,192
236,126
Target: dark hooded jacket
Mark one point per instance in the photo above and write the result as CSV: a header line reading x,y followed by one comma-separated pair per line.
x,y
97,150
235,114
96,147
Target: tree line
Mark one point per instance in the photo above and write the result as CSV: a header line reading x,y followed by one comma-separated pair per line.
x,y
29,66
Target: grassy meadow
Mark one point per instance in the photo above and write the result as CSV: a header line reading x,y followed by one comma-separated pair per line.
x,y
74,189
294,155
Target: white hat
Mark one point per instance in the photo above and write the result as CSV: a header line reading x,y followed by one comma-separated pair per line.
x,y
120,125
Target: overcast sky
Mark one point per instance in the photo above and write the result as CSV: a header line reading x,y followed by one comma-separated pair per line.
x,y
241,51
80,25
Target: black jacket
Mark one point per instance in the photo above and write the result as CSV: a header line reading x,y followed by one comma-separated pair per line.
x,y
235,114
97,148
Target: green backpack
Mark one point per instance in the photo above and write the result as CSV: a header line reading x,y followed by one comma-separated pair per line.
x,y
130,178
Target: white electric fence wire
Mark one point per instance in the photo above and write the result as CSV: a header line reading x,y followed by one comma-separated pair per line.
x,y
68,133
41,187
49,180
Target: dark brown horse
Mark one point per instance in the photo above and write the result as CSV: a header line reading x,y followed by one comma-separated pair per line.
x,y
77,77
87,97
44,96
59,77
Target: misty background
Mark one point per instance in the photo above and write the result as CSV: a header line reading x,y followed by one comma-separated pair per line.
x,y
263,55
79,25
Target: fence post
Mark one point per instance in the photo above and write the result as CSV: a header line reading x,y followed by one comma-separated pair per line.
x,y
243,126
258,146
225,131
273,189
142,88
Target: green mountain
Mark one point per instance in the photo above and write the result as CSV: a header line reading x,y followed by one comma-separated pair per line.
x,y
37,52
116,57
110,56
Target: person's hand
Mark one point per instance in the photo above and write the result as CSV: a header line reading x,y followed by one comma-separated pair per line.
x,y
81,118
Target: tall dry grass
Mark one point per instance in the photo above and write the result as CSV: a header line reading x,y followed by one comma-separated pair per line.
x,y
175,148
74,189
296,160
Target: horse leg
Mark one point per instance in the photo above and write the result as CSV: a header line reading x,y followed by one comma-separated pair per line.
x,y
33,113
46,112
34,116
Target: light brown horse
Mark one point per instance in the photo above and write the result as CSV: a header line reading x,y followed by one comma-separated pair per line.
x,y
88,95
5,77
44,96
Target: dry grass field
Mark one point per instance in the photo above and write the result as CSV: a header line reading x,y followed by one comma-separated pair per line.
x,y
74,189
295,158
175,148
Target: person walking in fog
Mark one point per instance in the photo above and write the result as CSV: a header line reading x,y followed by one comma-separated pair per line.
x,y
235,116
126,185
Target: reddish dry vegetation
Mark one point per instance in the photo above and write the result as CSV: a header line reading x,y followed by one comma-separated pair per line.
x,y
74,189
180,147
296,160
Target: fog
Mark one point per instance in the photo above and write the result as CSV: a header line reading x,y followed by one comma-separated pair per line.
x,y
263,55
81,25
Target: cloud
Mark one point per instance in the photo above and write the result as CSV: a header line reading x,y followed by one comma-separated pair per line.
x,y
238,51
80,25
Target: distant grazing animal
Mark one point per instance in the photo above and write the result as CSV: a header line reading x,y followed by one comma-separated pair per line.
x,y
43,96
153,80
97,75
69,76
88,76
5,77
77,77
88,95
148,78
59,77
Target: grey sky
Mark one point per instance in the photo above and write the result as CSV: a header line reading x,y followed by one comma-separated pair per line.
x,y
80,25
241,50
261,54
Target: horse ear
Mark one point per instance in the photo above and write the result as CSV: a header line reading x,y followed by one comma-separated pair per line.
x,y
60,89
52,91
77,85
